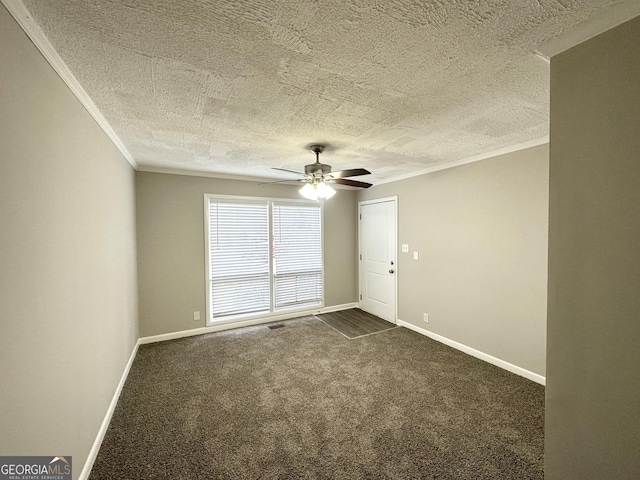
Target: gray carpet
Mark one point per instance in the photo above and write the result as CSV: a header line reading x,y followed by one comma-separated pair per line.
x,y
303,401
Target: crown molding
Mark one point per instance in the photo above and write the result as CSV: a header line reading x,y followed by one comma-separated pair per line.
x,y
24,18
200,173
464,161
227,176
542,56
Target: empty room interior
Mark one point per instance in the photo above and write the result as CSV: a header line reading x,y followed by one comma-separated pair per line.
x,y
332,239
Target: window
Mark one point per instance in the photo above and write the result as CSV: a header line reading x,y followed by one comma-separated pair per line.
x,y
297,255
239,257
263,256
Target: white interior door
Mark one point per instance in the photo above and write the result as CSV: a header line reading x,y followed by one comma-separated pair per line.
x,y
378,261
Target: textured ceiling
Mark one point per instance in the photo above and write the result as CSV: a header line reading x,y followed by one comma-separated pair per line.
x,y
236,87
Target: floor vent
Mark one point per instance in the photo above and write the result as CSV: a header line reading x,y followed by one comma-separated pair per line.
x,y
275,327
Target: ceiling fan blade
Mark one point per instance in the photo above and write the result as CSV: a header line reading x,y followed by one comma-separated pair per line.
x,y
285,170
353,172
351,183
283,181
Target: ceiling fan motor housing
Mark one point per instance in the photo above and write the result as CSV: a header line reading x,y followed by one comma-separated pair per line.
x,y
317,168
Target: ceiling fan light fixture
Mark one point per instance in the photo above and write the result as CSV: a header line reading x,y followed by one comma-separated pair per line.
x,y
317,191
309,192
325,191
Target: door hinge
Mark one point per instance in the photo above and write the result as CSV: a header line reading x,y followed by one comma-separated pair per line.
x,y
360,256
360,296
360,216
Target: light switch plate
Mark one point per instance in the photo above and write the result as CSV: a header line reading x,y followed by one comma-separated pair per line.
x,y
415,255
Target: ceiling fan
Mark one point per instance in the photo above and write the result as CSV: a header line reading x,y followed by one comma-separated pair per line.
x,y
318,176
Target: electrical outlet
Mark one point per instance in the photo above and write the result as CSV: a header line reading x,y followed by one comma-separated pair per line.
x,y
425,317
196,316
405,248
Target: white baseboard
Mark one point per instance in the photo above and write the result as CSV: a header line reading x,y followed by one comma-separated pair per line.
x,y
93,453
244,323
476,353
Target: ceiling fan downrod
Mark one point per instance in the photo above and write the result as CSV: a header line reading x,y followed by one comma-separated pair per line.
x,y
317,168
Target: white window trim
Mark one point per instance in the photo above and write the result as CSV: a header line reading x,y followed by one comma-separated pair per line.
x,y
249,316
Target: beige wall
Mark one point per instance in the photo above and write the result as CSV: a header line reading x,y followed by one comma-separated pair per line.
x,y
171,250
68,306
593,379
481,233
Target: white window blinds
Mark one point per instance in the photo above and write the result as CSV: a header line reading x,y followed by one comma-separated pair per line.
x,y
263,256
238,257
297,255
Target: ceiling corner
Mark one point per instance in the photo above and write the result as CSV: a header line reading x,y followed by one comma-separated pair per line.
x,y
26,21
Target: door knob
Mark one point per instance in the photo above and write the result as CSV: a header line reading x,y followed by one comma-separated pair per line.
x,y
391,271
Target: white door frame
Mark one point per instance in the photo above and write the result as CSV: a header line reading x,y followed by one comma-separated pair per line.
x,y
393,199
